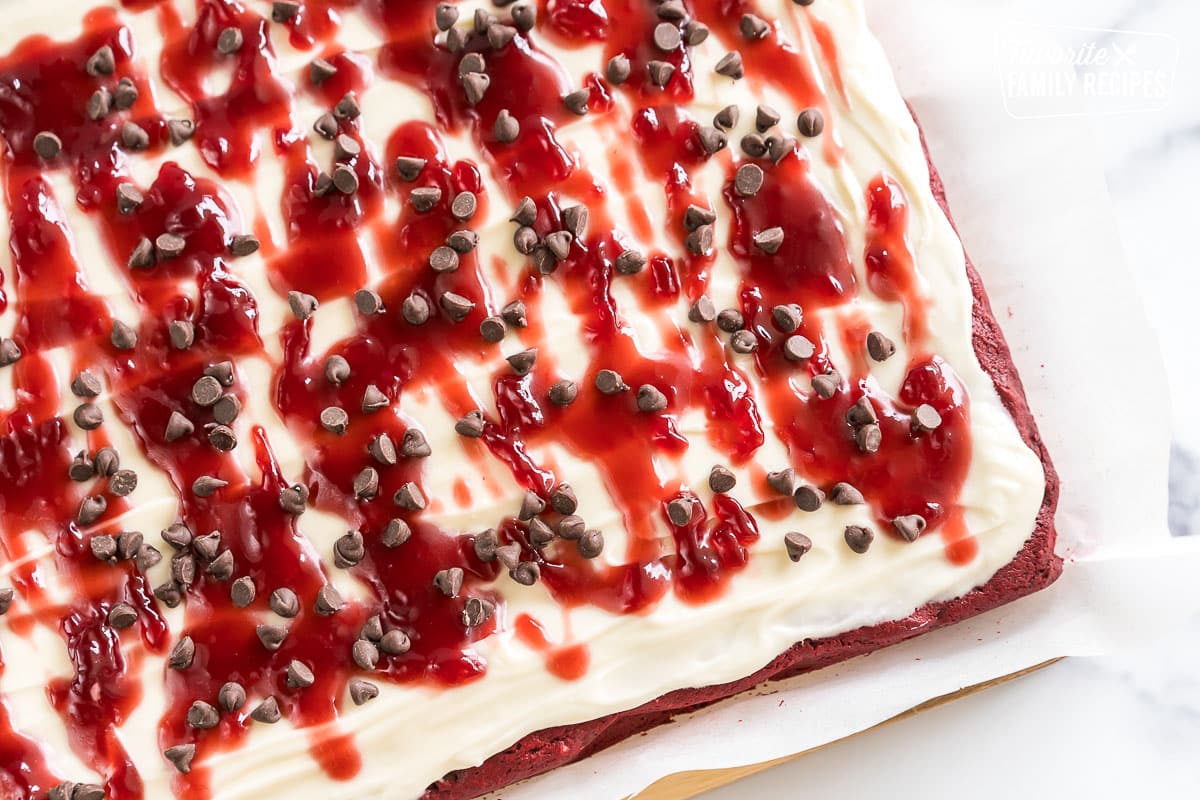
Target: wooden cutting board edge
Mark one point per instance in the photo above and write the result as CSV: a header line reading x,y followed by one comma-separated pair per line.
x,y
684,785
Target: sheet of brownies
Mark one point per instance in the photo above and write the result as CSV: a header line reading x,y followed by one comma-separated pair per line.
x,y
385,382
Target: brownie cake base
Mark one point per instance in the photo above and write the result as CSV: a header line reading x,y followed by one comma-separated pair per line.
x,y
1034,567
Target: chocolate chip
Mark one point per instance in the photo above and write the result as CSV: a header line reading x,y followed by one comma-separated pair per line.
x,y
695,216
207,546
232,696
699,242
880,347
202,716
182,654
571,527
463,206
366,483
796,544
563,393
284,10
88,791
808,497
168,594
754,27
456,306
410,167
168,245
650,399
610,382
227,409
283,601
618,69
563,499
843,494
409,497
107,461
463,241
103,547
526,573
449,581
506,128
711,139
329,601
320,71
476,612
522,363
395,642
826,385
183,569
576,102
299,675
63,791
242,592
509,555
660,72
147,557
81,468
221,437
123,482
730,65
695,33
798,348
721,479
858,538
485,544
471,62
747,182
47,145
765,118
679,510
373,399
540,534
101,62
743,342
727,118
525,240
456,40
344,179
128,198
414,444
382,449
362,691
178,536
133,136
492,329
868,438
667,36
122,615
443,259
730,320
364,654
345,148
322,185
925,418
630,262
178,426
181,333
754,145
180,131
267,712
368,302
415,310
395,533
206,391
88,416
244,244
181,756
445,15
471,425
347,107
99,104
524,16
909,526
575,221
124,96
810,123
123,337
782,481
207,485
671,9
142,256
559,244
780,146
483,21
475,86
702,310
769,240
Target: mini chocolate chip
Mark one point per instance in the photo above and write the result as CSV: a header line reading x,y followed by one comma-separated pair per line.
x,y
449,581
366,483
123,482
129,197
780,146
168,594
443,259
463,241
463,206
329,601
483,21
181,756
395,533
753,145
476,612
128,544
679,510
88,416
232,696
182,654
650,399
63,791
409,497
445,15
364,654
525,240
180,131
230,41
221,437
227,409
576,102
372,629
103,547
671,9
782,481
730,65
368,302
769,240
283,601
796,544
559,244
525,213
344,179
206,391
107,461
382,449
754,27
347,107
798,348
471,425
133,136
475,86
485,544
721,479
361,691
743,342
81,468
47,145
373,399
660,72
320,70
843,494
299,675
101,62
509,555
618,69
711,139
345,148
858,538
575,221
526,573
178,426
267,712
563,393
88,791
244,244
202,716
122,615
695,33
242,591
99,104
861,413
142,255
880,347
415,310
123,337
808,497
207,485
925,418
810,123
124,96
424,198
868,438
322,185
667,36
610,382
563,499
284,10
414,444
727,118
506,128
178,536
826,385
524,15
410,167
492,329
206,546
630,262
571,527
699,242
183,569
748,180
147,557
395,642
456,40
168,245
522,363
702,310
765,118
456,306
540,534
730,320
181,333
909,526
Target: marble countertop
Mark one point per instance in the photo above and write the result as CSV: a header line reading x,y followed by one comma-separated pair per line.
x,y
1128,723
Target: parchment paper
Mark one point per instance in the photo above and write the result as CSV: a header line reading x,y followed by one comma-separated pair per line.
x,y
1032,207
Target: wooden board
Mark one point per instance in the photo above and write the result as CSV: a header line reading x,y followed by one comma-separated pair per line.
x,y
683,785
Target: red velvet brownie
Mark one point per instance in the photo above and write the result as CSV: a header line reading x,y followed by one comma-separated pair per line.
x,y
387,383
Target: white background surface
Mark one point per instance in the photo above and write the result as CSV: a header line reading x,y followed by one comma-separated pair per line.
x,y
1115,726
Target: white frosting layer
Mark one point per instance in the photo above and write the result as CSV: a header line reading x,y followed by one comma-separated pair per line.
x,y
411,736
